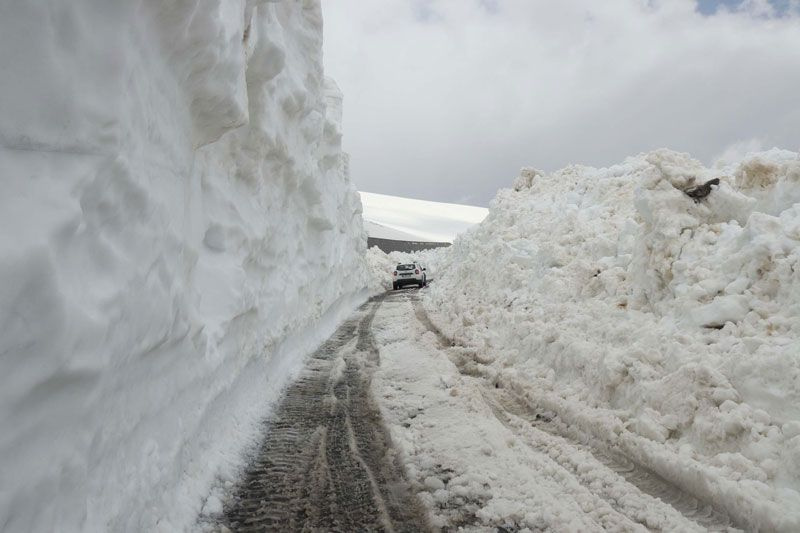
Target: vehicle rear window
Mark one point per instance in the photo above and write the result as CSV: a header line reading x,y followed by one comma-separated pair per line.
x,y
405,267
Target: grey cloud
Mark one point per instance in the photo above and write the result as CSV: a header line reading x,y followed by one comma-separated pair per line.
x,y
452,106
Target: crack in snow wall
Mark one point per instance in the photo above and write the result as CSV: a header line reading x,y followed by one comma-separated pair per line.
x,y
178,229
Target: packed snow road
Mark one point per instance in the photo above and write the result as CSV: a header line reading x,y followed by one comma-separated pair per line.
x,y
485,459
388,429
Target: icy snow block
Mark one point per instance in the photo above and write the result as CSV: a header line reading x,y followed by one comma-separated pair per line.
x,y
731,308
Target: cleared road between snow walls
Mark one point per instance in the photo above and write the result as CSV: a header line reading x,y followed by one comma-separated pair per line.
x,y
391,428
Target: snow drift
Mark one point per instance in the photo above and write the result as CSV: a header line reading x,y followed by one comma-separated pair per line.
x,y
178,228
666,327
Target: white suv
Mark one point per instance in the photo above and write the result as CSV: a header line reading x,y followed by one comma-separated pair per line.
x,y
409,274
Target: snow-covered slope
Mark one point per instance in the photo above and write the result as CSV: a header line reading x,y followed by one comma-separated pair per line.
x,y
428,221
666,328
380,231
174,203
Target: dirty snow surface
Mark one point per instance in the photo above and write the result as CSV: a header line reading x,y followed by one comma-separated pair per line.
x,y
627,313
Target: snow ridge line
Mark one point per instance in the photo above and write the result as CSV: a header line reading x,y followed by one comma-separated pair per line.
x,y
685,473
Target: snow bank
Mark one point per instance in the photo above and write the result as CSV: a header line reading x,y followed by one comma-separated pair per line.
x,y
380,267
178,228
477,466
667,327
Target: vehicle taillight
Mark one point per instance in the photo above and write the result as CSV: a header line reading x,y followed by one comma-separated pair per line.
x,y
416,271
395,272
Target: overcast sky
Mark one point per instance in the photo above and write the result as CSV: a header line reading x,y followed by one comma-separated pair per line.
x,y
446,99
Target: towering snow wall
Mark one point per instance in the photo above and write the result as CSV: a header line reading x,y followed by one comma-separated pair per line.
x,y
177,228
665,327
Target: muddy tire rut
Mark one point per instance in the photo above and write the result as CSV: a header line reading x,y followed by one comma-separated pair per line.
x,y
326,463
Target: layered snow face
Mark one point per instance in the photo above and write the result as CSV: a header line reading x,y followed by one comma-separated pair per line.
x,y
178,228
380,266
665,325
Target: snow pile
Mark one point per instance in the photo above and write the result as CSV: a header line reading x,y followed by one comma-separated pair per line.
x,y
477,466
380,267
666,326
178,229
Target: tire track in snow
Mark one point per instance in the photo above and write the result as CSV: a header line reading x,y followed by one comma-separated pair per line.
x,y
543,433
324,464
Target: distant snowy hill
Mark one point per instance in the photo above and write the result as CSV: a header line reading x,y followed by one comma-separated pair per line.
x,y
379,231
419,219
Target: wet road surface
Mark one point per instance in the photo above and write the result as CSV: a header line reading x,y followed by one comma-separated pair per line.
x,y
326,463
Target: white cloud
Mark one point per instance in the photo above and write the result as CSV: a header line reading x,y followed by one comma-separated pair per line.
x,y
449,98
